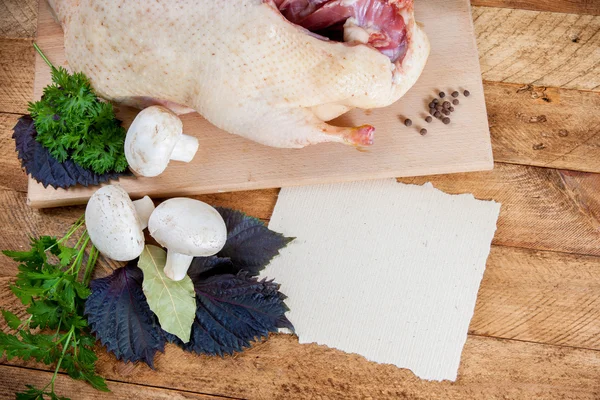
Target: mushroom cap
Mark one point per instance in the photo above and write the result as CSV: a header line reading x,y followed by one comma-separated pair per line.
x,y
188,227
113,225
150,140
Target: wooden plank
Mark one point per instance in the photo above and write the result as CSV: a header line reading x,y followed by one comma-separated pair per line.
x,y
11,174
16,74
539,296
542,208
18,18
547,127
14,379
281,368
538,48
228,163
563,6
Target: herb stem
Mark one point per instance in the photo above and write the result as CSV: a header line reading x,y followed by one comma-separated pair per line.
x,y
77,263
89,268
83,237
65,347
71,231
41,53
25,323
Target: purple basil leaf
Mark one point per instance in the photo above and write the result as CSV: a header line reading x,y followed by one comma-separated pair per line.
x,y
42,167
250,244
120,317
204,267
233,311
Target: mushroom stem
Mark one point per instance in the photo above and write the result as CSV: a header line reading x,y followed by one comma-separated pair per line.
x,y
177,265
185,149
143,209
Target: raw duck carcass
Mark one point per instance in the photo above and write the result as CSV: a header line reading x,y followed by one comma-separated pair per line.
x,y
272,71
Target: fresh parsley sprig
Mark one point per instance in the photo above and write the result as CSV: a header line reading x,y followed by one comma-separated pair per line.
x,y
72,123
53,283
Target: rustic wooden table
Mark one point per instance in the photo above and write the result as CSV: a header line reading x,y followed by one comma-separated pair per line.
x,y
536,329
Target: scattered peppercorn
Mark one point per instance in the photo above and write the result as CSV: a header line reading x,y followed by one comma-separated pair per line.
x,y
466,93
455,102
455,94
442,95
435,101
407,122
432,105
428,119
445,111
423,132
446,120
451,109
439,107
446,104
437,114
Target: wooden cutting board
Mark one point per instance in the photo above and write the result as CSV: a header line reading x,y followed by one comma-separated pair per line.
x,y
227,162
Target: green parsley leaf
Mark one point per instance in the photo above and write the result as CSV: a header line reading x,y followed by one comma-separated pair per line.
x,y
44,314
11,319
72,123
53,283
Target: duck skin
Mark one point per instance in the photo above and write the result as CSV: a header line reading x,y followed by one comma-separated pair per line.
x,y
272,71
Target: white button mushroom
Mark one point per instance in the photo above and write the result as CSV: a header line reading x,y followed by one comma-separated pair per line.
x,y
155,137
187,228
115,223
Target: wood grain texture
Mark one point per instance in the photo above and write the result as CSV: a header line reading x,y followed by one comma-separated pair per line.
x,y
563,6
14,379
539,296
542,208
490,369
228,163
547,127
538,48
281,368
16,75
11,174
18,18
